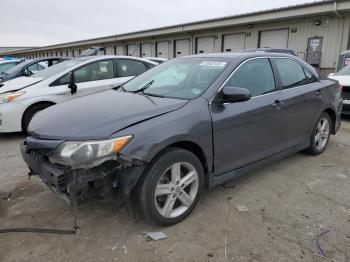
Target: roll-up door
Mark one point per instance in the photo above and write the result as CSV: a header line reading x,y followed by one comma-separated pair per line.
x,y
119,50
233,42
110,50
182,47
274,38
146,49
163,49
133,50
205,45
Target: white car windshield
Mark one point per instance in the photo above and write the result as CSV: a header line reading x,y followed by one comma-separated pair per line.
x,y
180,78
344,71
58,68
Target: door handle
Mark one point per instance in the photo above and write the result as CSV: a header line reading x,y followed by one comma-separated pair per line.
x,y
319,92
277,104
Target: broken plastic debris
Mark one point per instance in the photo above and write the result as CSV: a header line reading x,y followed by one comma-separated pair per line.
x,y
156,235
242,208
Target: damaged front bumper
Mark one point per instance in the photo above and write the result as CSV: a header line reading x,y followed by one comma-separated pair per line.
x,y
119,175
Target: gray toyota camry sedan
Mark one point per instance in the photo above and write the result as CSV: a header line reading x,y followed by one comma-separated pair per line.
x,y
186,124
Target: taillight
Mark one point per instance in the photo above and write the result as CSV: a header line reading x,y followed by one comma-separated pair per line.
x,y
340,88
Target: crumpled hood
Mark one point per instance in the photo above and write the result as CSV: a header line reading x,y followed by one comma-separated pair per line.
x,y
99,115
18,83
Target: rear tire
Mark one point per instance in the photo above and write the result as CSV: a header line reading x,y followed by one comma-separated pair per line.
x,y
29,114
320,135
171,187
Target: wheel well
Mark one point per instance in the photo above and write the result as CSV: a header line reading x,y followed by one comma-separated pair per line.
x,y
35,104
333,117
198,152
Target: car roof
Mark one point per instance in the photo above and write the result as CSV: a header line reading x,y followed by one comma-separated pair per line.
x,y
99,57
241,55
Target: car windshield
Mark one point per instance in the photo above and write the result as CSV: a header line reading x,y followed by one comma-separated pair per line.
x,y
56,69
6,66
184,78
17,68
344,71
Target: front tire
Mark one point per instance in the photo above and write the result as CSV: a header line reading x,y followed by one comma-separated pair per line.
x,y
171,187
320,135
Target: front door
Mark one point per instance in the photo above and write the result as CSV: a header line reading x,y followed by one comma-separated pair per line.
x,y
247,132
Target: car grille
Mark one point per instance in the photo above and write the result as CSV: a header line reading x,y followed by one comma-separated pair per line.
x,y
34,154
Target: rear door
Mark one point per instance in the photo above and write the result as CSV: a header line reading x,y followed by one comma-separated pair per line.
x,y
247,132
301,101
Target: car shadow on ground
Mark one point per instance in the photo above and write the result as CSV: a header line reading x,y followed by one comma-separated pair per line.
x,y
8,136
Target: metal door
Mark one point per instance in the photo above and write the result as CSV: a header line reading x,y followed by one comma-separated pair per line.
x,y
234,42
163,49
182,47
274,38
146,49
205,45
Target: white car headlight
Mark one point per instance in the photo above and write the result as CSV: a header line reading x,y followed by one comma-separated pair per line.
x,y
87,154
8,97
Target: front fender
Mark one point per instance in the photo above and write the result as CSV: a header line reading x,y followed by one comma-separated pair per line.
x,y
191,123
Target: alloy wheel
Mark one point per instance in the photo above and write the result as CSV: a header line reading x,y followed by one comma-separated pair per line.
x,y
322,133
176,189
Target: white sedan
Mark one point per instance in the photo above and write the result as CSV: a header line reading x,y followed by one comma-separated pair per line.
x,y
21,98
343,77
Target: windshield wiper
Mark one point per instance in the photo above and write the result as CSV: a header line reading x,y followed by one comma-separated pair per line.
x,y
155,95
144,88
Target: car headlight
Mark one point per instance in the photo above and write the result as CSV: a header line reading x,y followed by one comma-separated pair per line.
x,y
87,154
9,97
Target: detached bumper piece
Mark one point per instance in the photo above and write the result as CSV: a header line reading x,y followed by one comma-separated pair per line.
x,y
109,179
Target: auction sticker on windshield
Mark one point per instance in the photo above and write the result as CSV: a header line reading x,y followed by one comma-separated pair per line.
x,y
213,63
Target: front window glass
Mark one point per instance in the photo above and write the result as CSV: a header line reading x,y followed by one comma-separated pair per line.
x,y
255,75
58,68
180,78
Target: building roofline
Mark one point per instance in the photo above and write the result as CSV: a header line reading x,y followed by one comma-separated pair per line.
x,y
180,27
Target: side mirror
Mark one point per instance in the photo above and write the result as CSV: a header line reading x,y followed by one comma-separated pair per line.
x,y
72,85
235,94
331,74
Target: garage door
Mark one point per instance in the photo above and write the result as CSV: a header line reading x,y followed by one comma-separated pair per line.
x,y
133,50
205,45
274,38
182,47
119,50
163,49
146,49
110,50
234,42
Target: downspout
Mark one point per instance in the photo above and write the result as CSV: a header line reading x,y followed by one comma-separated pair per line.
x,y
336,12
